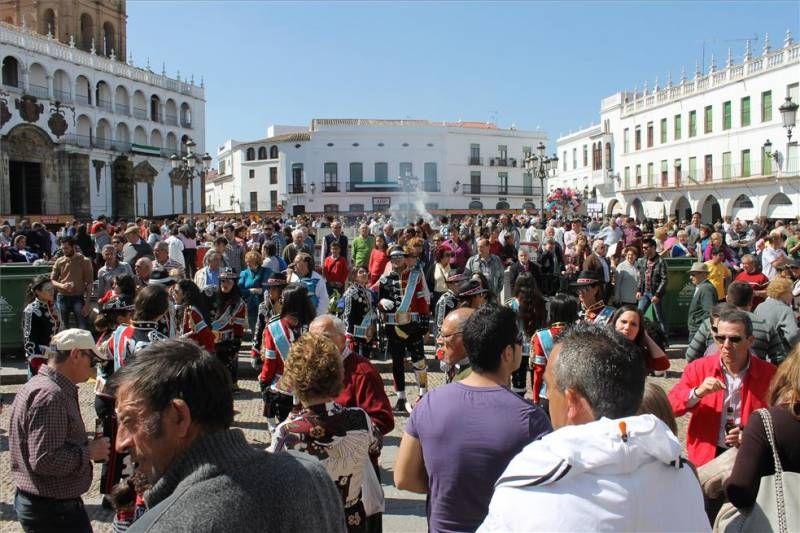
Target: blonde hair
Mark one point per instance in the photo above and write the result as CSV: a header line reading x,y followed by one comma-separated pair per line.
x,y
314,368
784,389
252,258
778,287
655,402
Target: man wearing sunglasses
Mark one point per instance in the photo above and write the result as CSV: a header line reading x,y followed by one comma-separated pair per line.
x,y
51,458
721,390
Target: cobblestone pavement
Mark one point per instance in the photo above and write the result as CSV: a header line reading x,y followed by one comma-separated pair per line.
x,y
405,511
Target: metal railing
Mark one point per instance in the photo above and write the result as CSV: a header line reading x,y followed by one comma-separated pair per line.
x,y
62,96
296,188
121,146
104,104
430,185
500,190
373,186
123,109
476,161
82,99
170,120
102,143
140,113
330,186
84,141
186,124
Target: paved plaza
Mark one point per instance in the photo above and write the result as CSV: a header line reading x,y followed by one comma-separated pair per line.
x,y
405,511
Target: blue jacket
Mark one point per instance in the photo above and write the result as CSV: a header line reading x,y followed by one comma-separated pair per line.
x,y
251,280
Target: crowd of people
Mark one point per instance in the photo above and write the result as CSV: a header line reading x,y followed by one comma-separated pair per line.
x,y
539,327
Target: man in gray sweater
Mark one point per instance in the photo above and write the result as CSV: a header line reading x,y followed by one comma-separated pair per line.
x,y
175,408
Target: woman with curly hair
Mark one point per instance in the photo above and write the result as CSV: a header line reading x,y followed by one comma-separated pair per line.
x,y
339,437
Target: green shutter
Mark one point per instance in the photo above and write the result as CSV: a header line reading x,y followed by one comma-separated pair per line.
x,y
663,131
766,163
726,165
708,125
726,116
745,111
677,127
766,106
693,169
745,163
692,123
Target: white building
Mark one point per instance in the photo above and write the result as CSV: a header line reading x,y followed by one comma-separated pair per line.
x,y
351,166
694,145
82,131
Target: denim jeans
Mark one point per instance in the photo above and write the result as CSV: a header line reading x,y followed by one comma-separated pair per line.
x,y
37,514
71,304
658,310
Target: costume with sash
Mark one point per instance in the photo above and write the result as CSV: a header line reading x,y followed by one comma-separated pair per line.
x,y
194,327
541,346
599,313
228,329
358,318
406,323
278,338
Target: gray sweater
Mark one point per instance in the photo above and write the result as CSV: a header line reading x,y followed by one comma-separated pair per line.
x,y
221,483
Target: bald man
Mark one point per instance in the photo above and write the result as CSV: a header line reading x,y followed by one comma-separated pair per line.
x,y
455,360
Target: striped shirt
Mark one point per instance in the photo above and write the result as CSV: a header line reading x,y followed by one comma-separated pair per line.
x,y
47,438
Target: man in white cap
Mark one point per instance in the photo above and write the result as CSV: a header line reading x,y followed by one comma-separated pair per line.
x,y
51,458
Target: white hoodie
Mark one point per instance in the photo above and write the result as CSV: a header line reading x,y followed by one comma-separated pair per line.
x,y
587,478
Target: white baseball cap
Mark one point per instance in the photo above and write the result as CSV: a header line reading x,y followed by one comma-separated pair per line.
x,y
80,339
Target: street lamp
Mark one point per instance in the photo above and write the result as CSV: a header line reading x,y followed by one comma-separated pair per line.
x,y
191,166
788,115
541,165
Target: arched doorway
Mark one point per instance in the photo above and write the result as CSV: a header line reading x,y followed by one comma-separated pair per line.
x,y
780,206
28,154
475,204
743,208
502,205
710,209
615,207
637,210
683,210
529,206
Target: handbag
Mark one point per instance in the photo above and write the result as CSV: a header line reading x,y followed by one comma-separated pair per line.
x,y
715,473
371,491
770,512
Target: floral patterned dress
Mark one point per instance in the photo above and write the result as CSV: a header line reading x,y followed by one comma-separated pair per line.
x,y
341,438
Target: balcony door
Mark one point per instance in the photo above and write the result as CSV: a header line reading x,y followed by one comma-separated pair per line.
x,y
475,182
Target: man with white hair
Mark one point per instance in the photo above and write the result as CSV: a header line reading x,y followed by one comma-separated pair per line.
x,y
164,261
296,246
112,268
388,233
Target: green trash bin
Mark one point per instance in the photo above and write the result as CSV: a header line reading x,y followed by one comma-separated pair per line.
x,y
14,281
678,295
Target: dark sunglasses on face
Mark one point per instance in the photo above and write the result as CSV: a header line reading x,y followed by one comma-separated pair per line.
x,y
720,339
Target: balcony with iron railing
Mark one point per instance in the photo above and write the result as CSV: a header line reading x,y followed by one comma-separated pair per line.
x,y
62,96
74,139
38,91
373,186
296,188
123,109
82,99
330,185
104,104
475,161
186,124
716,175
170,119
500,190
140,113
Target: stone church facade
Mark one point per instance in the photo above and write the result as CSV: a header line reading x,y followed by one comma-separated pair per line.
x,y
84,132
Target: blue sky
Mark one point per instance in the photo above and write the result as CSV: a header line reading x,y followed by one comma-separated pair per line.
x,y
533,64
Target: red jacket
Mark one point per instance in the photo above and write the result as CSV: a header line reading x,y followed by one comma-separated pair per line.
x,y
195,328
363,387
701,436
335,270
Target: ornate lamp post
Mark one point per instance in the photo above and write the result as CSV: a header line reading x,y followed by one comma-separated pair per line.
x,y
541,166
191,166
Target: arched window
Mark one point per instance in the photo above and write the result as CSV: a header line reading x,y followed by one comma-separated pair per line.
x,y
262,152
49,23
86,32
186,115
273,152
608,156
109,40
475,204
251,154
10,71
155,108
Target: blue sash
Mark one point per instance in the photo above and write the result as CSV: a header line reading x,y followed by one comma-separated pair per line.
x,y
604,316
311,285
408,297
279,338
360,331
546,340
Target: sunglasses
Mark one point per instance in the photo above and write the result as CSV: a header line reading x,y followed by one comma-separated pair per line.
x,y
720,339
445,337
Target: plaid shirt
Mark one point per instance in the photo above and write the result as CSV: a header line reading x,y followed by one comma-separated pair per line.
x,y
47,438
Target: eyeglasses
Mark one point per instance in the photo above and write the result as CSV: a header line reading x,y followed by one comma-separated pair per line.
x,y
93,359
720,339
445,337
